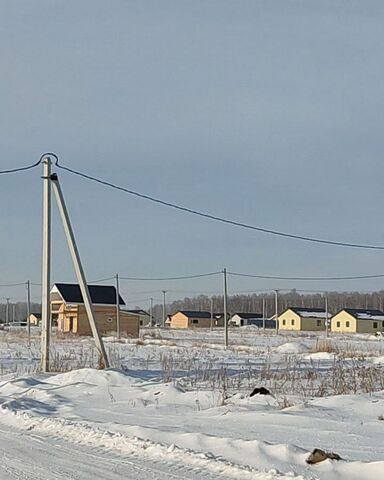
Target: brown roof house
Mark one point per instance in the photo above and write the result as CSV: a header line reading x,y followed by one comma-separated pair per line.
x,y
68,310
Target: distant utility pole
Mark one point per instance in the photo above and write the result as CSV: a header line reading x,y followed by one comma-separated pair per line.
x,y
117,307
46,267
164,292
29,311
7,312
263,314
211,313
276,311
326,315
79,269
14,313
225,298
150,313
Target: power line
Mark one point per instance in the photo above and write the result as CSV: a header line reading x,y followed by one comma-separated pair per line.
x,y
13,284
215,217
29,167
272,277
171,278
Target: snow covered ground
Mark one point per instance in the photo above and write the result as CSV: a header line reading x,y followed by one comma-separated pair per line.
x,y
178,406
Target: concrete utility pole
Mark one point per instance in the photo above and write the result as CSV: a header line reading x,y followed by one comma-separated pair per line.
x,y
46,267
150,313
211,313
79,269
263,314
29,311
7,312
117,307
164,292
276,311
326,315
225,297
14,313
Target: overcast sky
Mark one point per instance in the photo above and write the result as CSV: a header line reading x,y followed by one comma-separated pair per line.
x,y
268,112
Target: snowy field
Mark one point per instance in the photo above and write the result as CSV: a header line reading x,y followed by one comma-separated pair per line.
x,y
177,405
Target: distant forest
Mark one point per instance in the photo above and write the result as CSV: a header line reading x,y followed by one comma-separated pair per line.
x,y
241,303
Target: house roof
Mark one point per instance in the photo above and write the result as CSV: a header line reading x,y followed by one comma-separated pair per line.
x,y
365,314
100,294
309,312
37,315
195,314
249,315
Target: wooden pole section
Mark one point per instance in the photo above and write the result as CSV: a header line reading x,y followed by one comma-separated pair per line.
x,y
79,269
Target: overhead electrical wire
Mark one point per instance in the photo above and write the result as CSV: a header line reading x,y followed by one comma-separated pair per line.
x,y
215,217
196,212
272,277
29,167
186,277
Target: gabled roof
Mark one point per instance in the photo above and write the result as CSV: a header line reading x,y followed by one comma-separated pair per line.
x,y
365,314
249,315
195,313
308,312
100,294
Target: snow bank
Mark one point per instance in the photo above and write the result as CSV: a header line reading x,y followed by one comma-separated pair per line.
x,y
292,348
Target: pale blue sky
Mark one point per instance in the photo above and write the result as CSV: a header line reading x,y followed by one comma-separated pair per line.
x,y
268,112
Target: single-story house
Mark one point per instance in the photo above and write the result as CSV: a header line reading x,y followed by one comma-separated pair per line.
x,y
34,319
301,318
241,319
195,319
68,310
358,320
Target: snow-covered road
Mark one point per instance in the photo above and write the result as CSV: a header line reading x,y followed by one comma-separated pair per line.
x,y
25,455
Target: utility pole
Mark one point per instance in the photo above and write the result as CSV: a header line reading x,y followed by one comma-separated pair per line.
x,y
326,316
117,307
150,313
79,269
164,292
225,297
276,311
7,311
29,311
263,315
211,313
46,267
14,313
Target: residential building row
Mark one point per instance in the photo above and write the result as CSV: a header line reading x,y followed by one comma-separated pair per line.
x,y
69,315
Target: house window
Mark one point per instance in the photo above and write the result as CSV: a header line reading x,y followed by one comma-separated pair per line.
x,y
374,324
71,319
318,323
292,322
338,324
383,324
284,322
195,320
347,324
